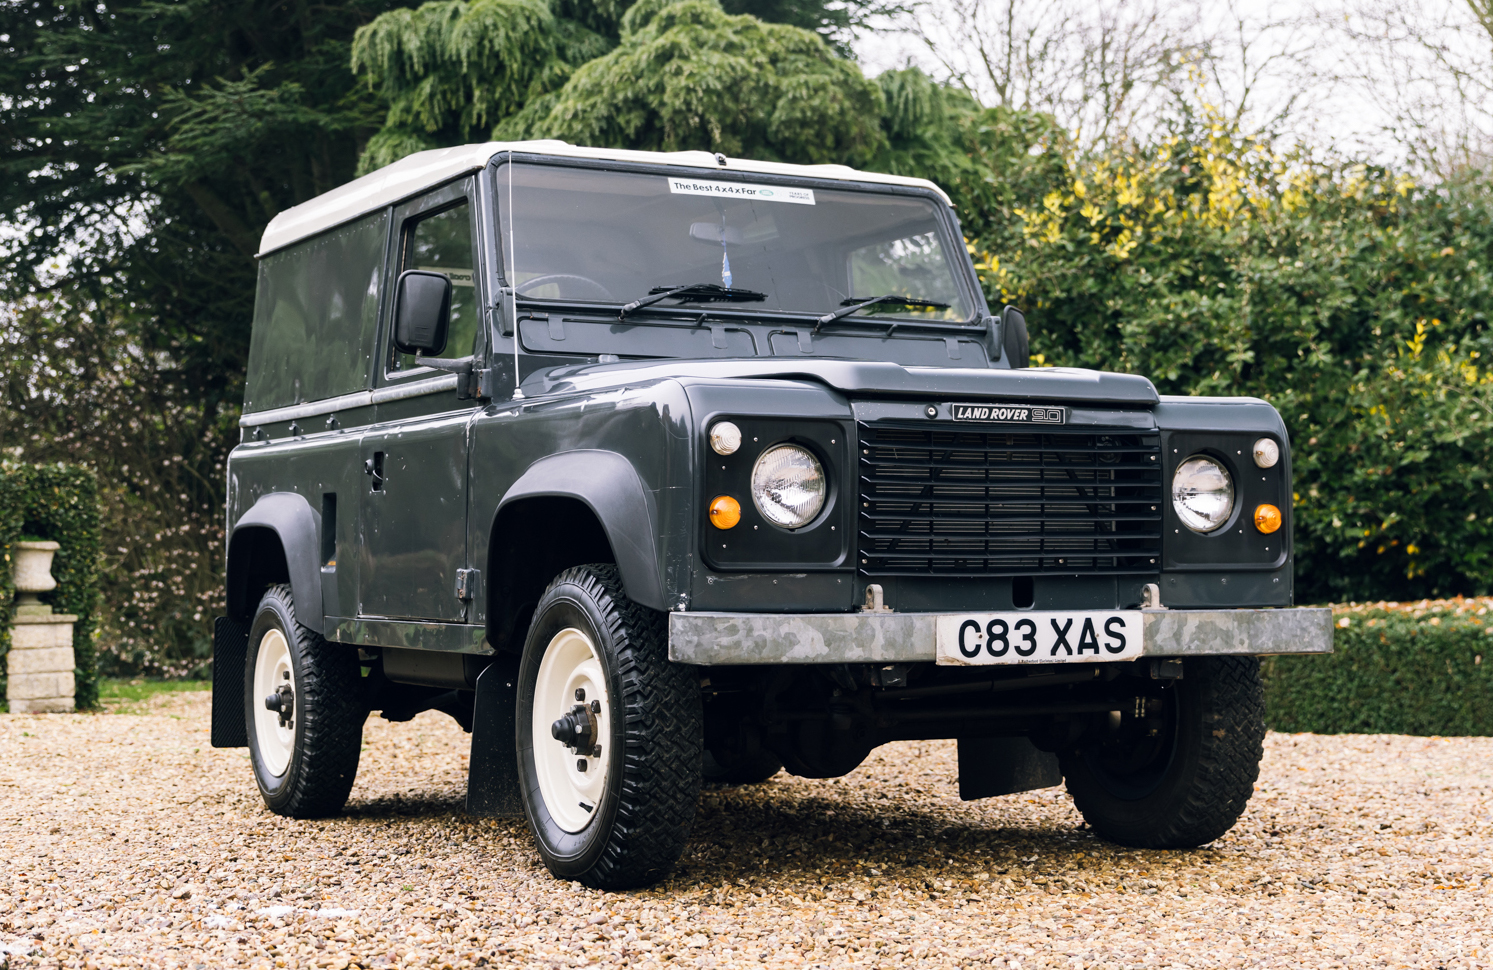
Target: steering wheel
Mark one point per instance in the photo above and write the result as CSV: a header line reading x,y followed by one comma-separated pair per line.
x,y
539,281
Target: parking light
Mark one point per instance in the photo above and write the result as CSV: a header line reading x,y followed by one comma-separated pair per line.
x,y
725,438
1266,453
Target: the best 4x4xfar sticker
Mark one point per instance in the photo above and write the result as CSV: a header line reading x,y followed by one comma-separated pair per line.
x,y
1015,413
741,190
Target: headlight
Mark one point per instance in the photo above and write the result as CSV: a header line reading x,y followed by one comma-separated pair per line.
x,y
788,486
1202,494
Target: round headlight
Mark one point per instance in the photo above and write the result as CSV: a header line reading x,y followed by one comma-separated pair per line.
x,y
1267,453
725,438
1202,494
788,486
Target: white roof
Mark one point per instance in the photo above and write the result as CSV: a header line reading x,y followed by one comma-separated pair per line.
x,y
422,170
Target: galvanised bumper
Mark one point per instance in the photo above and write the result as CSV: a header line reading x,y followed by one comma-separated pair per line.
x,y
827,638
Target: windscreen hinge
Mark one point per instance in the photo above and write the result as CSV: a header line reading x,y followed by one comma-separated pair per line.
x,y
467,581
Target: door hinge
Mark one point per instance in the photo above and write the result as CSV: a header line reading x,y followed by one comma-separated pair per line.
x,y
467,581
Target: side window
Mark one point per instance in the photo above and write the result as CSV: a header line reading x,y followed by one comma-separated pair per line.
x,y
316,316
442,243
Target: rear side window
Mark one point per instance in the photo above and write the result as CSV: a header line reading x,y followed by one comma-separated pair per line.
x,y
316,317
442,243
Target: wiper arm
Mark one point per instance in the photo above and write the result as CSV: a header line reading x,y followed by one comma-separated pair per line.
x,y
702,292
852,305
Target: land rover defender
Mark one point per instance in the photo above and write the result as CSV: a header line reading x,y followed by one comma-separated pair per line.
x,y
658,469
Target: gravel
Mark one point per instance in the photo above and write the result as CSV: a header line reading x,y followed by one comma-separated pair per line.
x,y
127,841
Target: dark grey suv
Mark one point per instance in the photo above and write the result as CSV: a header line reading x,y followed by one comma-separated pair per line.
x,y
658,469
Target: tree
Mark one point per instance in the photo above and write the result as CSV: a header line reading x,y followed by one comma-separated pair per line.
x,y
688,75
653,75
143,148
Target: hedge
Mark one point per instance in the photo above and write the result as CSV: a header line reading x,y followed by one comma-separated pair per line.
x,y
1423,668
60,503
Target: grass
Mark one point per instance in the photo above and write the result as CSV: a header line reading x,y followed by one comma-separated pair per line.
x,y
135,696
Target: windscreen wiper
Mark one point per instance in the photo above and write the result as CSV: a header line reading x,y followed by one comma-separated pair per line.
x,y
852,305
696,292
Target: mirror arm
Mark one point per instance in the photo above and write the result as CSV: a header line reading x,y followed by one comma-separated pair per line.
x,y
462,367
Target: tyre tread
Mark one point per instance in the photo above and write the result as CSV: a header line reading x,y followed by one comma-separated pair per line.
x,y
664,730
1231,748
331,702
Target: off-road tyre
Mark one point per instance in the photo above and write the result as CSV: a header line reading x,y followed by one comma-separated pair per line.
x,y
1197,786
329,709
645,807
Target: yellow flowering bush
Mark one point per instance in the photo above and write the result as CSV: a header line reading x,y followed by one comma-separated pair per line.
x,y
1352,297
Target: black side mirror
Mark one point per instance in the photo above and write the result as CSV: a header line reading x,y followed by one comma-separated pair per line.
x,y
422,312
1014,345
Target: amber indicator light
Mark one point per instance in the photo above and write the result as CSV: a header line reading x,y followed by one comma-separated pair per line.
x,y
725,512
1267,518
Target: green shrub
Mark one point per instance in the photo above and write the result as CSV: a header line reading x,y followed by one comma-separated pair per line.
x,y
1424,669
60,503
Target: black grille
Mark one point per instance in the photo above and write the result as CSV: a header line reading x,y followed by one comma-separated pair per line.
x,y
953,502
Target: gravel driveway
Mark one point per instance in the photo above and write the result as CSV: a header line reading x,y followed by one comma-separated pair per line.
x,y
127,841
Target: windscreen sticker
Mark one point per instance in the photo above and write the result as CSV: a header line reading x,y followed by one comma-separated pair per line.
x,y
459,277
741,190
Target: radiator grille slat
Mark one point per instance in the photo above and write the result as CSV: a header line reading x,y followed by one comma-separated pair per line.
x,y
936,500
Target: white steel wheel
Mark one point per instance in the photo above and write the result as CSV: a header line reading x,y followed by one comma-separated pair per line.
x,y
274,677
571,724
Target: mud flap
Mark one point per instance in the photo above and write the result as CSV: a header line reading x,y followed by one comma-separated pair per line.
x,y
492,779
1004,766
230,645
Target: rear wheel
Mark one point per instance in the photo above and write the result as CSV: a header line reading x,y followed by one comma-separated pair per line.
x,y
609,735
304,707
1180,776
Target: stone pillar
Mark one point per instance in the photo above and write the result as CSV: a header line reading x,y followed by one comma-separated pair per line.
x,y
39,667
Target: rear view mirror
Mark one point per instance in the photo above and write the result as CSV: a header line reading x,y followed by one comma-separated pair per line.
x,y
1014,345
422,312
712,232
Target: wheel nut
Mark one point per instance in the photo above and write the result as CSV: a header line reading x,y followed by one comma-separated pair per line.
x,y
580,693
596,707
580,764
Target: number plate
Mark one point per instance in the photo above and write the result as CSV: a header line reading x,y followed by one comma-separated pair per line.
x,y
1032,637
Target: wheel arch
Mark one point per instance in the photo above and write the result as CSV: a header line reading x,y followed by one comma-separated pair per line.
x,y
568,510
276,541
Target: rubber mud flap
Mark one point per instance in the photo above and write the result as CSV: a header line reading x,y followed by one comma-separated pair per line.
x,y
1004,766
230,643
492,779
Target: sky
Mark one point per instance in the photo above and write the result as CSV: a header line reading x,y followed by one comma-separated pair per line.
x,y
1385,80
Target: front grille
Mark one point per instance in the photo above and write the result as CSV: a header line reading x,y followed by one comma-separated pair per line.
x,y
953,502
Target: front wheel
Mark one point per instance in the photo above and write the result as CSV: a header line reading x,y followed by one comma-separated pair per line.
x,y
1180,776
304,709
609,735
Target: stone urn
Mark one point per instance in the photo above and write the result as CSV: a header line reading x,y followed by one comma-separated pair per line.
x,y
33,574
39,667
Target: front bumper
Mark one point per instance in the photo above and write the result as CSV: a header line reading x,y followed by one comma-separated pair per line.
x,y
828,638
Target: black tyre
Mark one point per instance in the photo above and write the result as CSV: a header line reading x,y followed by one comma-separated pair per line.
x,y
1179,777
304,708
609,735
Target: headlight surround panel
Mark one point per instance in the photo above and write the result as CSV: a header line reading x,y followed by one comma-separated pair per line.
x,y
1236,544
757,542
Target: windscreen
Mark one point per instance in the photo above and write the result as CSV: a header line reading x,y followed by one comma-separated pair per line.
x,y
587,236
